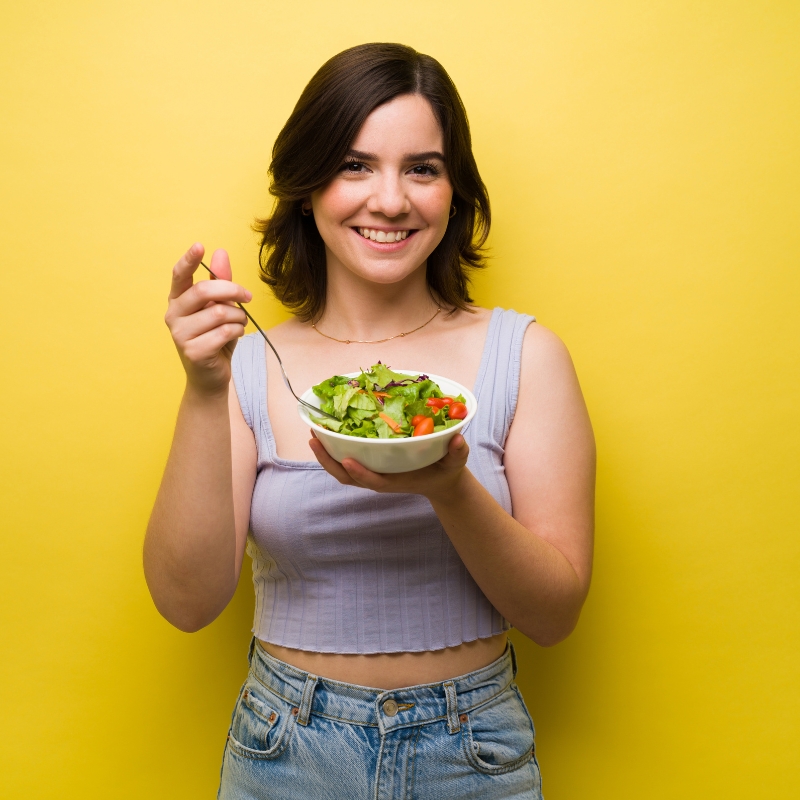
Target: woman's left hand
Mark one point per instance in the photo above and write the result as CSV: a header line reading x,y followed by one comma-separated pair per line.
x,y
437,480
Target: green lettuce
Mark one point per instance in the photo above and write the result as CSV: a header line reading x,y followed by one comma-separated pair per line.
x,y
357,403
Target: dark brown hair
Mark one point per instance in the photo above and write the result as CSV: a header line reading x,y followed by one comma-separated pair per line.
x,y
312,146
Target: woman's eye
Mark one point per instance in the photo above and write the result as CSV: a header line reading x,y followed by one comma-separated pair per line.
x,y
353,166
424,169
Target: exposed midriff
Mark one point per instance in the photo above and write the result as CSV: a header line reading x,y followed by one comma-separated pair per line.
x,y
394,670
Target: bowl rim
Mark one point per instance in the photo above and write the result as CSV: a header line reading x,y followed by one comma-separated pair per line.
x,y
468,395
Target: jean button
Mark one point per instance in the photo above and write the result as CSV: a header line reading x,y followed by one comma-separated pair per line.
x,y
390,708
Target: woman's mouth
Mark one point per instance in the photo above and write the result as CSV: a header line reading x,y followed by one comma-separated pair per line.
x,y
387,237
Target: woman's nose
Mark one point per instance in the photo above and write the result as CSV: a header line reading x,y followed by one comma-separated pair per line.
x,y
388,197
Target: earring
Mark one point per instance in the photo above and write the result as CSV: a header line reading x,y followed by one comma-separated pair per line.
x,y
453,211
305,210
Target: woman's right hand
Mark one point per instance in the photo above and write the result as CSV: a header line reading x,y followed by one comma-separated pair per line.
x,y
203,320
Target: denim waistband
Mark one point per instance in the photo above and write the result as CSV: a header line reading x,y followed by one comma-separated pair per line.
x,y
386,709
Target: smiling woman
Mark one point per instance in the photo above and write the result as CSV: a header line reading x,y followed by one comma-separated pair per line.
x,y
413,192
380,664
363,95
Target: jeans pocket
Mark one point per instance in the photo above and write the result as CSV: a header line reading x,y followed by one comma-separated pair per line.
x,y
498,736
262,723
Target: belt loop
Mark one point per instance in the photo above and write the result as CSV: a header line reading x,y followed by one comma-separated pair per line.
x,y
305,701
453,723
250,650
513,658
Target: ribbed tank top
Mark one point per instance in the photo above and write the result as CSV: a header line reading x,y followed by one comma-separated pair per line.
x,y
341,569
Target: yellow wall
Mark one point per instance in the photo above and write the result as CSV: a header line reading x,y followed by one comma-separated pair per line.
x,y
642,159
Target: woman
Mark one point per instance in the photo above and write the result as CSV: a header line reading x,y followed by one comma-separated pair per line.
x,y
380,665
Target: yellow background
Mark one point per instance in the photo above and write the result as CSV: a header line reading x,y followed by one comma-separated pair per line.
x,y
642,159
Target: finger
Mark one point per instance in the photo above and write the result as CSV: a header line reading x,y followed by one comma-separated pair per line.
x,y
222,270
457,453
352,468
458,445
208,345
207,319
183,271
364,477
329,464
204,293
221,265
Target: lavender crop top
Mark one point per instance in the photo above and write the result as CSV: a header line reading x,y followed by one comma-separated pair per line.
x,y
341,569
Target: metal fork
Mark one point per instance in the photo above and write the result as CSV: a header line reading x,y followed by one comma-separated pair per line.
x,y
280,363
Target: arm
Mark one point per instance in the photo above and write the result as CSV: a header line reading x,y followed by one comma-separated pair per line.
x,y
195,539
534,567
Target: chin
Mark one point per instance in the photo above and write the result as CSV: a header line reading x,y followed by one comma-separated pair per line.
x,y
385,271
385,277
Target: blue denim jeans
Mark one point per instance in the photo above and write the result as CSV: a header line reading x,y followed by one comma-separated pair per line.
x,y
294,735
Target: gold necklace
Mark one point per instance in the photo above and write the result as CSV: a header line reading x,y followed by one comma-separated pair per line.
x,y
377,341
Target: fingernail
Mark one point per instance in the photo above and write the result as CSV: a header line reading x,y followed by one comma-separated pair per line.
x,y
248,295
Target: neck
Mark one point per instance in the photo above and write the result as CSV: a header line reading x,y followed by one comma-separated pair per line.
x,y
356,308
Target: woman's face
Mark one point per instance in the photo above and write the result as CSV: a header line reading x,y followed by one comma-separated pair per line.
x,y
388,206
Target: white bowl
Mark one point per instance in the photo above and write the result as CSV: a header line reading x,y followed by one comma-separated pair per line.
x,y
392,455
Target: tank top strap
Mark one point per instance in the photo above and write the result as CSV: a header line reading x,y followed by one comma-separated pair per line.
x,y
497,385
249,379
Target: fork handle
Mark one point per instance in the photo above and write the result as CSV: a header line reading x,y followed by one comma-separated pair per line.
x,y
280,363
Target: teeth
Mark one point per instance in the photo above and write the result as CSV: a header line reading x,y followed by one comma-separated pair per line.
x,y
382,236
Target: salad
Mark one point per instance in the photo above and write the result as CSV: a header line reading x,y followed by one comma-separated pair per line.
x,y
382,404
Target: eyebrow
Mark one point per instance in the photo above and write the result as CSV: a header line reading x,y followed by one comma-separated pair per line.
x,y
360,154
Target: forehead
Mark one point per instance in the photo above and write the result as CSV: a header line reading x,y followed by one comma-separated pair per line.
x,y
406,124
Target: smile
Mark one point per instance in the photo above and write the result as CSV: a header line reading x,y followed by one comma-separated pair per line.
x,y
383,236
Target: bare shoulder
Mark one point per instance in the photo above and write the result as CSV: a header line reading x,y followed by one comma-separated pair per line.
x,y
544,357
289,330
476,318
550,397
475,313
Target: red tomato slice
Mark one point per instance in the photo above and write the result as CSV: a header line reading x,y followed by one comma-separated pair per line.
x,y
424,427
417,419
435,402
457,411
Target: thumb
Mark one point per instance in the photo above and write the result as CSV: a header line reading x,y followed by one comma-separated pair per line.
x,y
457,452
221,265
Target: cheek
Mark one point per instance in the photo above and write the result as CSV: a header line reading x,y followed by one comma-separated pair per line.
x,y
337,202
435,205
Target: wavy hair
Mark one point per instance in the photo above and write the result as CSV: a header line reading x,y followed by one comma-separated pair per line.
x,y
311,148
